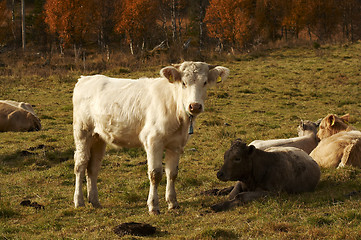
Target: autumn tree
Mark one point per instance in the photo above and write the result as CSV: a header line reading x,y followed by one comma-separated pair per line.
x,y
137,20
197,12
269,15
295,17
71,20
4,22
36,26
231,21
351,19
173,11
323,17
103,20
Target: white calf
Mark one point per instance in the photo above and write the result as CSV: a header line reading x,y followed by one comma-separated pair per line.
x,y
306,140
156,114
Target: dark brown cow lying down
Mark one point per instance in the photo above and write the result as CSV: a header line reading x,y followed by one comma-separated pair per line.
x,y
17,119
276,169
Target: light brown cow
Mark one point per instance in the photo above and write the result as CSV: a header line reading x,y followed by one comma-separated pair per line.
x,y
333,124
17,117
339,150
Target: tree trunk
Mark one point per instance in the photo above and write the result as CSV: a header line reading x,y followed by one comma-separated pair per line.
x,y
23,23
174,19
13,24
201,16
131,47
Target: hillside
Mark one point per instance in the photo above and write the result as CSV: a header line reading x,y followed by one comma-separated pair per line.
x,y
267,94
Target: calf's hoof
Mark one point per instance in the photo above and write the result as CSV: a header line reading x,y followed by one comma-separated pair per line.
x,y
154,212
223,206
96,205
173,206
79,204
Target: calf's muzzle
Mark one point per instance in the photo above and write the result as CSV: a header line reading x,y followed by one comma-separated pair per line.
x,y
195,108
220,175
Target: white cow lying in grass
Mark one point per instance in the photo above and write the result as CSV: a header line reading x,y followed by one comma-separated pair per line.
x,y
306,140
156,114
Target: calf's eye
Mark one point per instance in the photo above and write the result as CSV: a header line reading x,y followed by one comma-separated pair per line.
x,y
184,84
205,83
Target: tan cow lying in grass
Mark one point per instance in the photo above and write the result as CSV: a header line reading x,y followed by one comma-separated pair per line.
x,y
18,117
333,124
339,145
306,140
276,169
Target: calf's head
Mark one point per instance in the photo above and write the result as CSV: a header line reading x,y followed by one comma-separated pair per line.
x,y
333,124
237,162
307,128
193,79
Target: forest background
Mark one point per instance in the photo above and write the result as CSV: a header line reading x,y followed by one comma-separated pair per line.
x,y
172,30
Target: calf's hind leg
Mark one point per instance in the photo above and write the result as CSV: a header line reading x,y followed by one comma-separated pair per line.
x,y
97,151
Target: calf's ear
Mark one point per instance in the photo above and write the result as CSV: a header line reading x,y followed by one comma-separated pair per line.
x,y
251,148
345,118
217,74
171,73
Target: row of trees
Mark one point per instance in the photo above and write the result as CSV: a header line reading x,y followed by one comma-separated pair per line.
x,y
248,21
143,24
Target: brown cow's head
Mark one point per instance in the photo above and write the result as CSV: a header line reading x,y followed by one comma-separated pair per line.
x,y
193,79
333,124
237,162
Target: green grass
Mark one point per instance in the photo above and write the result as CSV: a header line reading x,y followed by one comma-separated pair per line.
x,y
265,97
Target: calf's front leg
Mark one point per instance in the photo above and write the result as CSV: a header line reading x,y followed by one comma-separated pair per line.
x,y
241,198
154,159
171,170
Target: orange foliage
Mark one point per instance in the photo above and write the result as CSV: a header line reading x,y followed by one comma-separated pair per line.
x,y
137,19
225,20
4,21
231,20
70,19
243,22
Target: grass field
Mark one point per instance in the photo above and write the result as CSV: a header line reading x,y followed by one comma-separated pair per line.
x,y
266,95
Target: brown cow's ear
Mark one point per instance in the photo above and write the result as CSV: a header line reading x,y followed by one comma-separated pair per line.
x,y
217,74
171,73
345,118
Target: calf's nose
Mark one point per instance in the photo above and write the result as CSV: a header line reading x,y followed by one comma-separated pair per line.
x,y
220,175
195,107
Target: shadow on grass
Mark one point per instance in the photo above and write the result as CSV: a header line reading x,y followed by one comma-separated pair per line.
x,y
40,157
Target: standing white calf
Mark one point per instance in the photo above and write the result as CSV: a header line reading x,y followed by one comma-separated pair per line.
x,y
154,113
